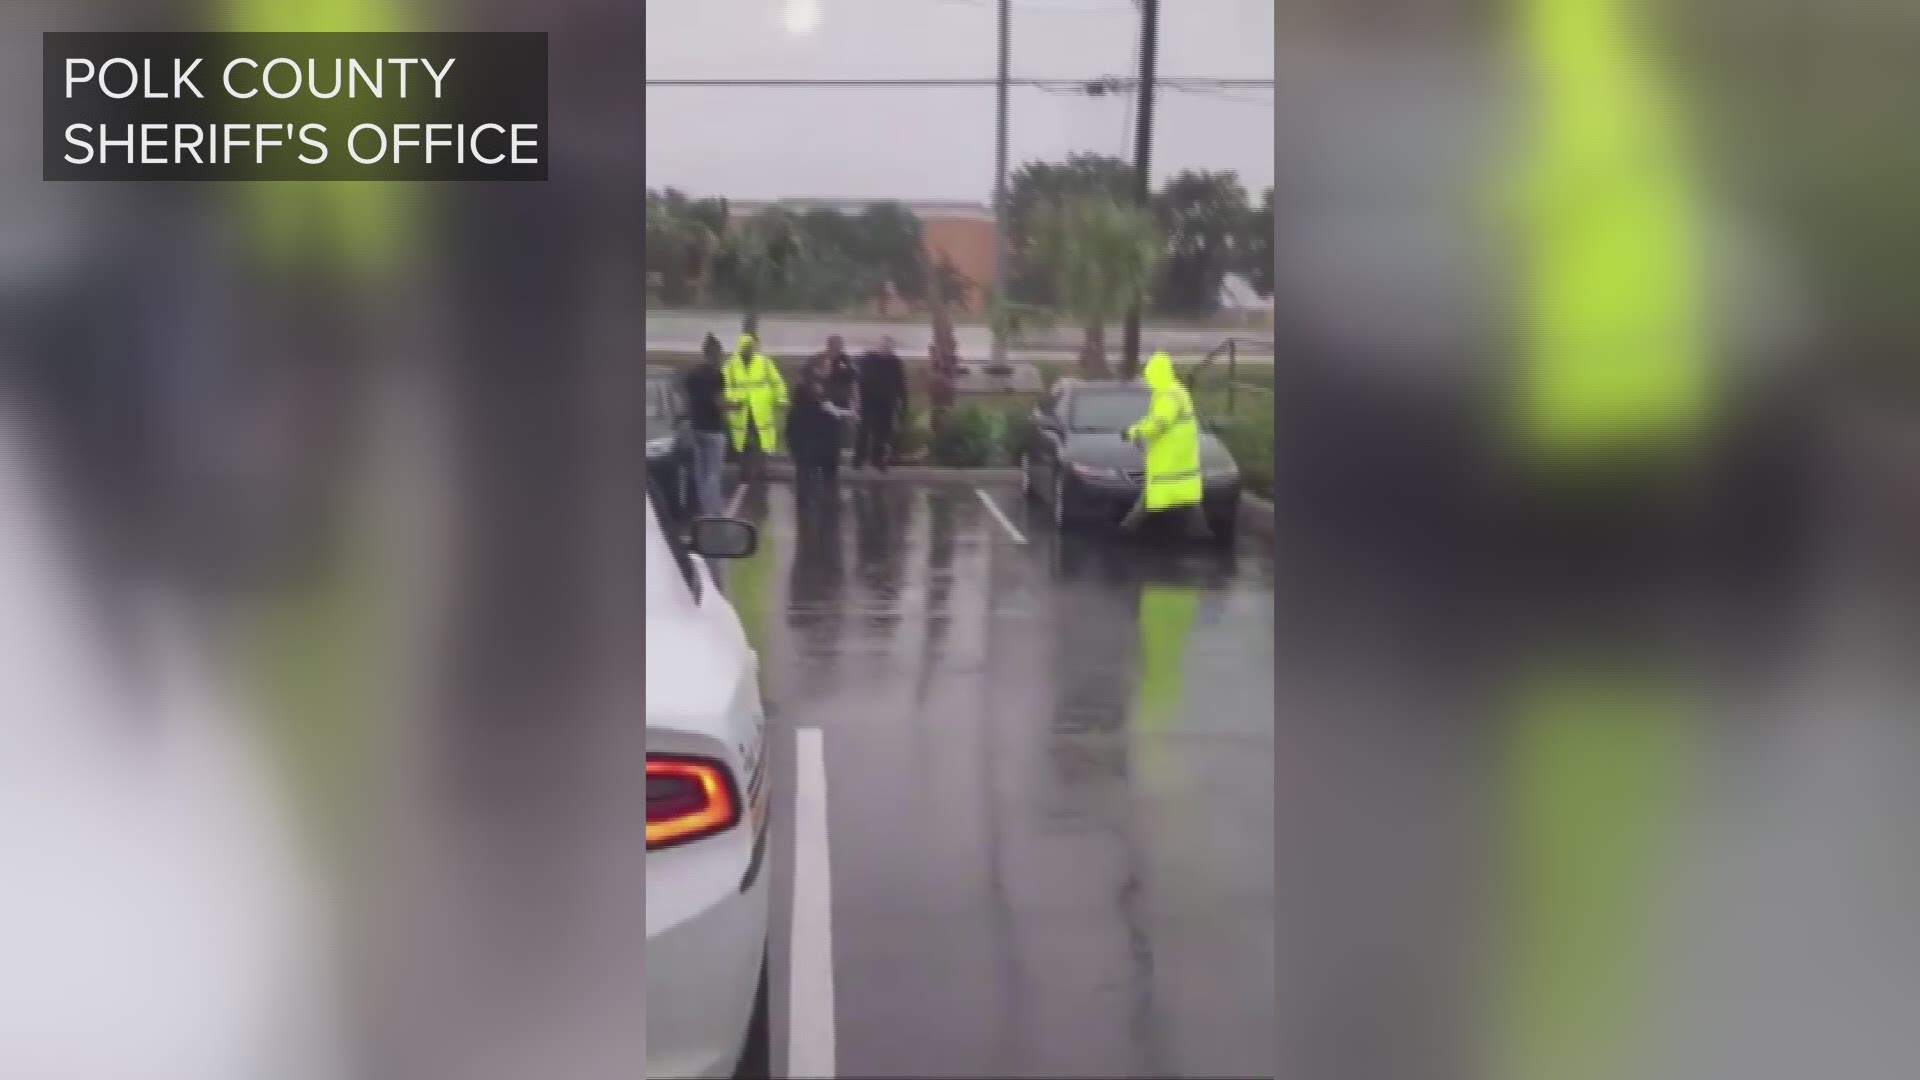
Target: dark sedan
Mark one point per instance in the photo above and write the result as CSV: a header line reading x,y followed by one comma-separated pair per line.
x,y
1078,464
669,447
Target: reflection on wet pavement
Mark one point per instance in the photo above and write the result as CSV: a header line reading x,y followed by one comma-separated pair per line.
x,y
1599,829
1603,830
1049,776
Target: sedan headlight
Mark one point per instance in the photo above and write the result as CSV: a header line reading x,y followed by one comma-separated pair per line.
x,y
1106,473
1221,471
659,447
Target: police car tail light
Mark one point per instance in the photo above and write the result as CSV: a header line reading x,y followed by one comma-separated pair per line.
x,y
688,798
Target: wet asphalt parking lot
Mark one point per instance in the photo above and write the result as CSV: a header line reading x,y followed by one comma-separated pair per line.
x,y
1032,827
1040,785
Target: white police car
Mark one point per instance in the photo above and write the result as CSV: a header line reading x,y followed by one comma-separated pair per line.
x,y
707,803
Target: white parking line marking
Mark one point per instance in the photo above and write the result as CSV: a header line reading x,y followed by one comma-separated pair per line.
x,y
994,509
810,1017
733,504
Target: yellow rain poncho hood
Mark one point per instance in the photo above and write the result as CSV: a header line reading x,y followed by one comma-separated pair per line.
x,y
1158,373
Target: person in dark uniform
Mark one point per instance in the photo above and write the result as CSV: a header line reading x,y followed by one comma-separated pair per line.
x,y
706,392
843,382
813,429
882,401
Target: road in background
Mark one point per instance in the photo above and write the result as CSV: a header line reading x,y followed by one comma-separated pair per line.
x,y
682,331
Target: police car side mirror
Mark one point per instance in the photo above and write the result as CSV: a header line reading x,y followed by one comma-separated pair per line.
x,y
722,538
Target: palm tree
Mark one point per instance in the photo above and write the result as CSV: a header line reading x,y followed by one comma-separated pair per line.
x,y
707,220
758,257
682,241
946,286
665,241
946,290
1101,254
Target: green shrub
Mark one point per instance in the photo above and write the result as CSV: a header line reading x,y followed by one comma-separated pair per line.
x,y
914,438
973,436
1251,443
1015,435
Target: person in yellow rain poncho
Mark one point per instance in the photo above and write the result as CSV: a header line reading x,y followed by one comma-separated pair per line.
x,y
1613,343
1169,435
755,394
1596,773
358,226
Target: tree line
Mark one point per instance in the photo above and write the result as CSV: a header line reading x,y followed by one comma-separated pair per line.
x,y
1205,225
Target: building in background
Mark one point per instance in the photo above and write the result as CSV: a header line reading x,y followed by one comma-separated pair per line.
x,y
957,234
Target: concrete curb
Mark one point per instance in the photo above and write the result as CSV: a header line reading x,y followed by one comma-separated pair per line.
x,y
1256,513
782,469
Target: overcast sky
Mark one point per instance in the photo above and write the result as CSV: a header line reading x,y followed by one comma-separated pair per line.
x,y
937,143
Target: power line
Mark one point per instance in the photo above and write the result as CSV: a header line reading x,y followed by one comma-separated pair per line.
x,y
1130,8
1024,9
1107,83
1224,95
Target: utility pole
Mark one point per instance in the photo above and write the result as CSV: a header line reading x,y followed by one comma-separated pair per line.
x,y
1000,177
1142,157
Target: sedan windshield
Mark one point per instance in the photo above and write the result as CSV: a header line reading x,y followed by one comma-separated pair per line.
x,y
1108,412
